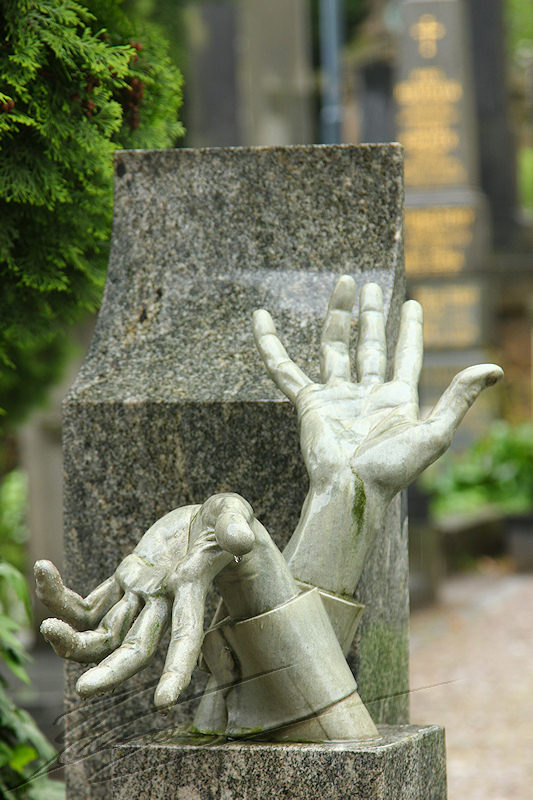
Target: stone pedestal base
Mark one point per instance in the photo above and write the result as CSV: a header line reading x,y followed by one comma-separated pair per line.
x,y
407,763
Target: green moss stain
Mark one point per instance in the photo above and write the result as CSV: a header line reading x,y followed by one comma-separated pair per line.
x,y
358,505
383,671
154,635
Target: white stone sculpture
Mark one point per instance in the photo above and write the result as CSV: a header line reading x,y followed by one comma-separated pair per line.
x,y
275,649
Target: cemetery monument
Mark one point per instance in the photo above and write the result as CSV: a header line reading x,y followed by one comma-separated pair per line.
x,y
276,646
277,655
447,227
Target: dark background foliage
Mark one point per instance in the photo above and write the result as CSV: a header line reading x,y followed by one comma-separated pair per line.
x,y
78,82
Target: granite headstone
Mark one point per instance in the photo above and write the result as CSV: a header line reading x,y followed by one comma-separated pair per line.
x,y
407,763
172,403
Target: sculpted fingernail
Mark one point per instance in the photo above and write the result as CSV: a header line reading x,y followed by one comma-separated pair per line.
x,y
92,682
234,534
47,577
344,293
60,635
167,692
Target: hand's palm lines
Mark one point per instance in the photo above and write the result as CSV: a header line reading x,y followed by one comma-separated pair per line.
x,y
361,410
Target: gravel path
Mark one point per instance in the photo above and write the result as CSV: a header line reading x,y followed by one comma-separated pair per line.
x,y
472,671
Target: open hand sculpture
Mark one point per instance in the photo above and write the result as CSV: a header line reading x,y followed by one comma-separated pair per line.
x,y
362,442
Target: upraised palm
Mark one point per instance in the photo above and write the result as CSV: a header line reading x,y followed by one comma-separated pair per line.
x,y
371,426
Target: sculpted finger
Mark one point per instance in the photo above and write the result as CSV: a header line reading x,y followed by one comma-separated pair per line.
x,y
457,399
136,651
230,516
409,350
233,533
284,372
371,353
186,639
80,612
88,646
335,341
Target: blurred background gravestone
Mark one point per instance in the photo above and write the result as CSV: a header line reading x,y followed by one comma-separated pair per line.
x,y
439,76
260,55
447,228
172,404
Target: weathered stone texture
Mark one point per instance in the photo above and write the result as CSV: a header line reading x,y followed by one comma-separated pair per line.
x,y
173,404
408,763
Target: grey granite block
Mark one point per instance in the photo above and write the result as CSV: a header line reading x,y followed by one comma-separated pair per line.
x,y
408,763
172,403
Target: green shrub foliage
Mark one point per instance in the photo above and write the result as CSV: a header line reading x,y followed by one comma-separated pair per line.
x,y
13,526
77,82
24,751
496,471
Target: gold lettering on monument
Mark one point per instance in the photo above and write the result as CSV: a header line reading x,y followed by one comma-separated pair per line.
x,y
428,109
451,313
415,116
428,85
427,31
436,239
441,140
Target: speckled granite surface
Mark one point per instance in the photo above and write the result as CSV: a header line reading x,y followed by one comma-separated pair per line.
x,y
172,403
407,764
202,237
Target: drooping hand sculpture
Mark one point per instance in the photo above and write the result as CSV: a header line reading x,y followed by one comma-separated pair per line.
x,y
168,575
362,442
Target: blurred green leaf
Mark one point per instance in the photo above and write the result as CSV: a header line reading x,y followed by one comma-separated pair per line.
x,y
13,527
21,755
497,471
24,752
11,578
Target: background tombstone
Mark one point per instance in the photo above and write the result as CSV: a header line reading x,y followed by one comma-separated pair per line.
x,y
497,148
447,231
173,404
211,87
446,212
248,78
456,322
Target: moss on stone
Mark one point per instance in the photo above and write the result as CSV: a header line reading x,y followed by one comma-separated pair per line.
x,y
359,503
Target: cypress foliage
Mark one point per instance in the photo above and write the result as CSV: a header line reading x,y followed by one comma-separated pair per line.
x,y
76,82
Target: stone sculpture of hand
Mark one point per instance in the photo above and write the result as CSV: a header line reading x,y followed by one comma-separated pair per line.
x,y
361,441
166,577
